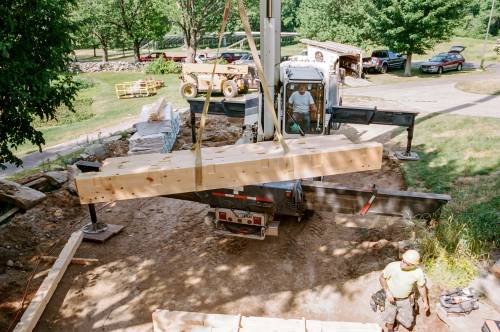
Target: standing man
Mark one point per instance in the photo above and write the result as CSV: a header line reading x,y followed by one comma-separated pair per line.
x,y
302,102
398,280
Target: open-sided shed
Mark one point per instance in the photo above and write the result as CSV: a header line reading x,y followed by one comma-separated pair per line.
x,y
350,58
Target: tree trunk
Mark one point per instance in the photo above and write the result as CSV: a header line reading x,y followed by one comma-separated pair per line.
x,y
95,54
105,57
408,65
137,50
192,45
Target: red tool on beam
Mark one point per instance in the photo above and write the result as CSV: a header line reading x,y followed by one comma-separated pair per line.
x,y
368,204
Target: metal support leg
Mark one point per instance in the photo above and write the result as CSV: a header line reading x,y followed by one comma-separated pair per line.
x,y
408,154
94,226
193,126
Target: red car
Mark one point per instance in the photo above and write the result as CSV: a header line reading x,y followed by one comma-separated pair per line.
x,y
156,55
451,60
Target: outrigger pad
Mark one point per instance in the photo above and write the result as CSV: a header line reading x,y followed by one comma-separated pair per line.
x,y
402,155
103,236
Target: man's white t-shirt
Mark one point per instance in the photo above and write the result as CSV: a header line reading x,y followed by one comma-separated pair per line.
x,y
300,102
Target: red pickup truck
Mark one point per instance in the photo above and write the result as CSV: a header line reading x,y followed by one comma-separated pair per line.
x,y
155,55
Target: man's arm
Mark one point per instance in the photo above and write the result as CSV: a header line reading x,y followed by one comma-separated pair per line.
x,y
423,293
383,283
290,100
312,105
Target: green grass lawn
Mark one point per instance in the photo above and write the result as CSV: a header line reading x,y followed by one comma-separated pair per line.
x,y
102,108
460,156
484,87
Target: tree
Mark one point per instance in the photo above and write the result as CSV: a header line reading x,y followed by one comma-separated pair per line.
x,y
35,43
195,18
337,20
289,15
476,19
412,26
139,20
93,19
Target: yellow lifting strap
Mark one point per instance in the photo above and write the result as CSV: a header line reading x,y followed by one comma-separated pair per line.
x,y
198,175
260,72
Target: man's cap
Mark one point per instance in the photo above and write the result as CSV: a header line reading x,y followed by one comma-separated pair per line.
x,y
411,256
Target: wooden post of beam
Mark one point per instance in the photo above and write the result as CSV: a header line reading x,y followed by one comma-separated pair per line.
x,y
35,309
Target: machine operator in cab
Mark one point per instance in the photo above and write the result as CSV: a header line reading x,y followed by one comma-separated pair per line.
x,y
302,103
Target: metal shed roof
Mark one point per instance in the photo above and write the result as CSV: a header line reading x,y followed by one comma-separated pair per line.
x,y
304,74
342,49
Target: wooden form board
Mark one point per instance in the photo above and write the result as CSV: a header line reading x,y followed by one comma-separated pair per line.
x,y
225,167
219,69
47,288
183,321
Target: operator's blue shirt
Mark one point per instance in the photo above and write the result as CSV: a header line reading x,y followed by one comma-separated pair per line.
x,y
300,102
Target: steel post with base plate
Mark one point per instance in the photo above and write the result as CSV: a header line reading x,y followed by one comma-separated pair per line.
x,y
408,154
95,230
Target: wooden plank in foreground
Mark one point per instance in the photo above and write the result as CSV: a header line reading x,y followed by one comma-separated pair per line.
x,y
9,214
183,321
225,167
35,309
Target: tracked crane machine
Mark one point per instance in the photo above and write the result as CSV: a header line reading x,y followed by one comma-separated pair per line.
x,y
255,211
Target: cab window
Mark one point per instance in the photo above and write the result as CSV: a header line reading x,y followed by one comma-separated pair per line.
x,y
301,116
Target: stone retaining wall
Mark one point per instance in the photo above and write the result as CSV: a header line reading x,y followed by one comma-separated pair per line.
x,y
111,66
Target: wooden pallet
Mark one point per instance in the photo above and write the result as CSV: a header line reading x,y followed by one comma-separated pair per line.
x,y
136,89
183,321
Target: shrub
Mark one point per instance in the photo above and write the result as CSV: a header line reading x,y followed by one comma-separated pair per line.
x,y
162,66
84,82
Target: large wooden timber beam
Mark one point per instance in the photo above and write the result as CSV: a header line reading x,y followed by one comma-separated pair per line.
x,y
225,167
185,321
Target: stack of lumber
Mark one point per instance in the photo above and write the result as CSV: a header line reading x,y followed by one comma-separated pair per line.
x,y
157,129
183,321
225,167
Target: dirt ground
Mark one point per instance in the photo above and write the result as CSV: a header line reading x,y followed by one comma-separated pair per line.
x,y
166,258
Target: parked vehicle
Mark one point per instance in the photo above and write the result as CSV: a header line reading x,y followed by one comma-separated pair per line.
x,y
230,57
231,80
156,55
443,62
456,49
201,58
246,59
383,60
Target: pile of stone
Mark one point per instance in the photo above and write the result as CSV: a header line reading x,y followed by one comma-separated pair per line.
x,y
111,66
157,129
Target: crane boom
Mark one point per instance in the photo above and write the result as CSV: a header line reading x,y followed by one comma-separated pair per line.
x,y
270,53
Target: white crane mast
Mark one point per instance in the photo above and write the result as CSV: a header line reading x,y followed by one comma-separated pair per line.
x,y
270,50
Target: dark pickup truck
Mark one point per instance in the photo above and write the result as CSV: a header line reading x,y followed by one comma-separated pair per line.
x,y
383,60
